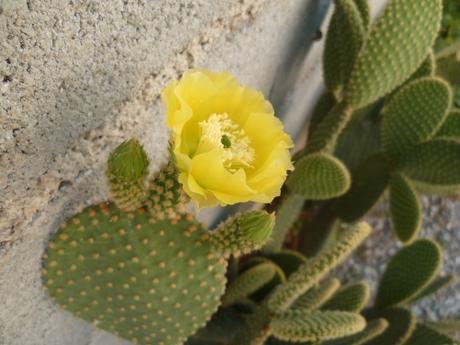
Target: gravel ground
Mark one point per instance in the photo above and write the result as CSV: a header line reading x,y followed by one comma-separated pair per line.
x,y
441,222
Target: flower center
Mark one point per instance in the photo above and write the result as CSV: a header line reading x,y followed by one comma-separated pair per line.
x,y
220,131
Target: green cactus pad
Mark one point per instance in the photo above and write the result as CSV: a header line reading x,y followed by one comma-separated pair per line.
x,y
278,278
165,192
286,216
451,127
405,208
319,176
257,329
373,329
438,190
424,335
365,12
401,324
326,133
288,260
243,233
343,41
436,285
368,184
414,114
316,296
296,325
409,271
357,143
220,329
371,112
427,69
323,106
316,268
349,298
152,281
248,282
435,163
274,341
396,47
445,326
126,173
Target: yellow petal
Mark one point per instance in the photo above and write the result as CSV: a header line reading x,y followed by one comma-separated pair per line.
x,y
209,172
198,194
265,132
276,164
183,161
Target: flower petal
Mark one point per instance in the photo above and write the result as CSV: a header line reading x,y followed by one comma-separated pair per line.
x,y
265,132
271,175
209,170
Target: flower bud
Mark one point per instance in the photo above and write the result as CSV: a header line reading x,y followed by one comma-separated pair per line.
x,y
243,233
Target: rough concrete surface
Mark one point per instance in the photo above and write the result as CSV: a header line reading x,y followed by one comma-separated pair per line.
x,y
76,78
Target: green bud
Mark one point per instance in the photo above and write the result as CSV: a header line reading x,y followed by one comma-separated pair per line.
x,y
128,161
257,226
243,233
126,173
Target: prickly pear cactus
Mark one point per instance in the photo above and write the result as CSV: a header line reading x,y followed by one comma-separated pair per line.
x,y
132,274
292,311
378,70
424,102
319,176
409,276
345,37
362,66
153,275
305,307
416,155
165,192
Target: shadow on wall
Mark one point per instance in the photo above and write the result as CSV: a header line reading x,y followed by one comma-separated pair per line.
x,y
305,34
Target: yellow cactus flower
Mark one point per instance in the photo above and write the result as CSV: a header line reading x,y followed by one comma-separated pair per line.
x,y
228,145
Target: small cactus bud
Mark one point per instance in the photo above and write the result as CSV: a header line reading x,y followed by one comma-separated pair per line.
x,y
128,161
243,233
257,226
126,172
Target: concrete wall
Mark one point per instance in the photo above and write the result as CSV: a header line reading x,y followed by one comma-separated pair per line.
x,y
79,76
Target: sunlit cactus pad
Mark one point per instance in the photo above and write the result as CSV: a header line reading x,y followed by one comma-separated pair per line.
x,y
152,281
